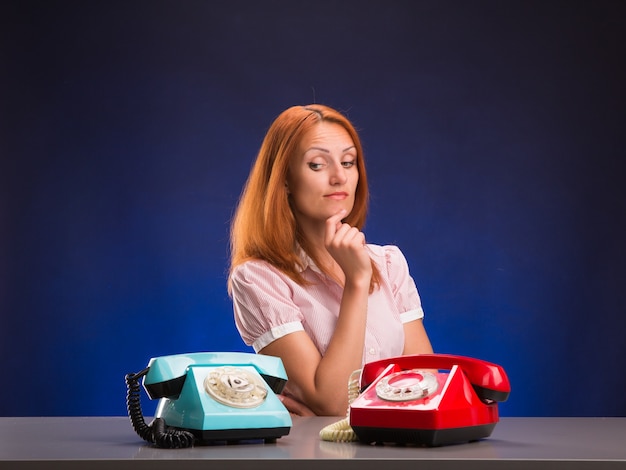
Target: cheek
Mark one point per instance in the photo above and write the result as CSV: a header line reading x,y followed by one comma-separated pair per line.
x,y
304,185
301,194
354,179
304,193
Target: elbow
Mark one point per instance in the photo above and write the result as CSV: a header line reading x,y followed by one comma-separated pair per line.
x,y
303,407
330,409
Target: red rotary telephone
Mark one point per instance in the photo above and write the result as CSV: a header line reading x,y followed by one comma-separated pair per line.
x,y
408,399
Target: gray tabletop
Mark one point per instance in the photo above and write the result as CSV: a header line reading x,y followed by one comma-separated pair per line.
x,y
110,442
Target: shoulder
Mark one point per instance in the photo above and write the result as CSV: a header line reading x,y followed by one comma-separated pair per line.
x,y
386,253
389,259
254,269
255,273
257,282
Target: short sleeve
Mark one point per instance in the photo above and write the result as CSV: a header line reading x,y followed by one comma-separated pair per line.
x,y
403,286
262,304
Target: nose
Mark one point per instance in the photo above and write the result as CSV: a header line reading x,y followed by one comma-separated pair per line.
x,y
338,175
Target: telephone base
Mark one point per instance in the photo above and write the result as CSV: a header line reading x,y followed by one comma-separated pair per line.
x,y
424,437
269,435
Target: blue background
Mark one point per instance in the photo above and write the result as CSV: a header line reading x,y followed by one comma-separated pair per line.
x,y
494,137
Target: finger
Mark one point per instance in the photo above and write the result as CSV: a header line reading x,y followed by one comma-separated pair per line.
x,y
359,238
335,219
350,236
342,235
333,223
346,238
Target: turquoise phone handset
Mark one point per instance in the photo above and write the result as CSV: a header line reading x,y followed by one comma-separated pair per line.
x,y
210,396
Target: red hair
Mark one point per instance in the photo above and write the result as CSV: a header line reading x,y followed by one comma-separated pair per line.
x,y
264,226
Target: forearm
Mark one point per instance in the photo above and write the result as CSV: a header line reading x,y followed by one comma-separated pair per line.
x,y
344,353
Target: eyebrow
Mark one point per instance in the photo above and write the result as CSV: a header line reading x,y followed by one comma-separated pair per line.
x,y
321,149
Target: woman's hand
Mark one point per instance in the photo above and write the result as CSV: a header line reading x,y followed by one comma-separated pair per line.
x,y
346,244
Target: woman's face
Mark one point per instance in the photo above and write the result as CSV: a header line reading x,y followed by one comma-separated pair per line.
x,y
323,175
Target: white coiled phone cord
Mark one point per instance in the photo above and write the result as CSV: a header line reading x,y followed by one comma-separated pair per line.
x,y
341,431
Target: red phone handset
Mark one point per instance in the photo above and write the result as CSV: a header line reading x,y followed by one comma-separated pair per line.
x,y
489,380
410,399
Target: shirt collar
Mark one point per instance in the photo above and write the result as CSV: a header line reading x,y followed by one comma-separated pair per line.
x,y
307,262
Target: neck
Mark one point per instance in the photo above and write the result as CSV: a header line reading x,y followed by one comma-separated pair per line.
x,y
315,234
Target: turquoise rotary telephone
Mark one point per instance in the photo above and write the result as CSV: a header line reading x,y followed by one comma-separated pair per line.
x,y
210,396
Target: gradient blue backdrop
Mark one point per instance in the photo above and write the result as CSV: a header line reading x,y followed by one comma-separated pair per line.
x,y
494,134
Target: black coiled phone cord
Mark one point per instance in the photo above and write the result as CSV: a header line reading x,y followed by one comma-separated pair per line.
x,y
158,432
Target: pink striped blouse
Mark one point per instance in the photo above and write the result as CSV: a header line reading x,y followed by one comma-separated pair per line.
x,y
269,305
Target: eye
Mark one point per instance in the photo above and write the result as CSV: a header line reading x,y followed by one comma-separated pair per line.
x,y
315,166
348,164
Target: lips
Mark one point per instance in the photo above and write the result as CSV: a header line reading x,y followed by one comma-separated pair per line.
x,y
337,195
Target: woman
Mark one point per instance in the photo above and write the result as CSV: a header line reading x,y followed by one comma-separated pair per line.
x,y
305,285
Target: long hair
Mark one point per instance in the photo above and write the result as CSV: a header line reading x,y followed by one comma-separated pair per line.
x,y
264,226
